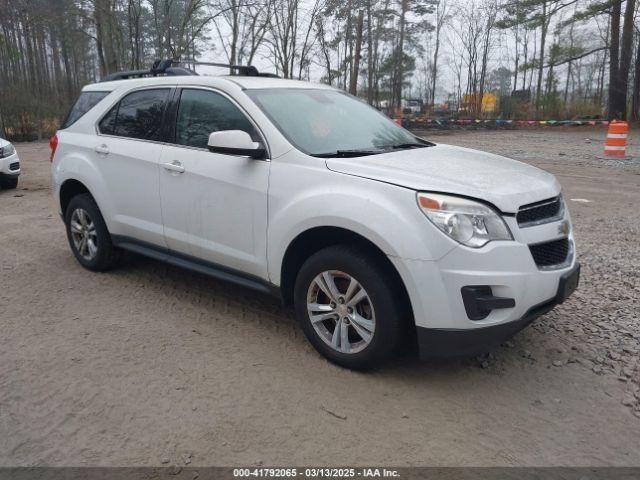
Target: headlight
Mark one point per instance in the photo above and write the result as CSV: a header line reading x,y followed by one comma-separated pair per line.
x,y
7,151
471,223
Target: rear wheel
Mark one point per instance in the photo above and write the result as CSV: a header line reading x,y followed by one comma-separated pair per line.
x,y
88,236
347,308
9,183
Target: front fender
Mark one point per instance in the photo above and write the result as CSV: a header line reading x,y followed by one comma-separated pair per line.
x,y
385,214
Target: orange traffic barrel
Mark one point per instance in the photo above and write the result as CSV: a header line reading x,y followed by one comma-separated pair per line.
x,y
616,143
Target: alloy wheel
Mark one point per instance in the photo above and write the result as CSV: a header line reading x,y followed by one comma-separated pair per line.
x,y
341,311
83,234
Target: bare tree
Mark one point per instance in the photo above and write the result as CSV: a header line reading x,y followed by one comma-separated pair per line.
x,y
370,47
353,85
635,102
289,38
442,12
618,104
490,11
247,22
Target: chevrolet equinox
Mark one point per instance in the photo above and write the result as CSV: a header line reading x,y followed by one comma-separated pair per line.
x,y
376,236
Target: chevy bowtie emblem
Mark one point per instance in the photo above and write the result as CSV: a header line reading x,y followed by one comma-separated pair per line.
x,y
564,228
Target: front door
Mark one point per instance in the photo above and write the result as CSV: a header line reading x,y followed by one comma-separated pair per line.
x,y
214,206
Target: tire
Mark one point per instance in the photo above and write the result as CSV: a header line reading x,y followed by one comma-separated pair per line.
x,y
9,183
382,304
104,256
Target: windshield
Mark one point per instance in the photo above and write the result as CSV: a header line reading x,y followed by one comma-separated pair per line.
x,y
330,123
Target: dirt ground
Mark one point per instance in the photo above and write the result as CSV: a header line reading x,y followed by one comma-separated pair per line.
x,y
150,364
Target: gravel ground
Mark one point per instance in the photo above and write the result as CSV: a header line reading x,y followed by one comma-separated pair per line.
x,y
151,365
600,326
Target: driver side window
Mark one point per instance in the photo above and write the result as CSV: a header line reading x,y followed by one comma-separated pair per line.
x,y
203,112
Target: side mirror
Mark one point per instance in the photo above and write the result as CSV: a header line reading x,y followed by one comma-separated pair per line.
x,y
235,142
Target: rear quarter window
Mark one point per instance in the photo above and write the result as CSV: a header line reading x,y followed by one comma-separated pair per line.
x,y
137,115
86,101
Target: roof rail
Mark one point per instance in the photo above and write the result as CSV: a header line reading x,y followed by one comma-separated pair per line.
x,y
159,67
166,68
242,70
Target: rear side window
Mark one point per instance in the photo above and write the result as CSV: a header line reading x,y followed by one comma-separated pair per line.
x,y
86,101
137,115
202,112
108,122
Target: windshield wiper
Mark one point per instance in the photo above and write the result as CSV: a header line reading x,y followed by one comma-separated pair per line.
x,y
364,151
401,146
348,153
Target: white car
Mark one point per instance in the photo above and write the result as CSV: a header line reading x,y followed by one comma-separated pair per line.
x,y
9,165
376,236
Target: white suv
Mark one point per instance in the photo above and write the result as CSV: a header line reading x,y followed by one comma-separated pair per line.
x,y
9,165
373,234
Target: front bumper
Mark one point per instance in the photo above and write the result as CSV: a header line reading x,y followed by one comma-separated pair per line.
x,y
10,166
472,299
447,343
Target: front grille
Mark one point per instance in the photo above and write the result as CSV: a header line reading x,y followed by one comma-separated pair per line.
x,y
539,212
14,166
550,253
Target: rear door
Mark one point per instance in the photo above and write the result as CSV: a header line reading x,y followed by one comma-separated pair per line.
x,y
128,149
214,206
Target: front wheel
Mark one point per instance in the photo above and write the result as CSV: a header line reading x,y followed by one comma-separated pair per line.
x,y
347,308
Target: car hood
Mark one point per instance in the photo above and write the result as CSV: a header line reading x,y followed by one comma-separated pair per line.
x,y
503,182
3,142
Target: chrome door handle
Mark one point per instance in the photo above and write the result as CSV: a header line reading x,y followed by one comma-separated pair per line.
x,y
102,149
174,166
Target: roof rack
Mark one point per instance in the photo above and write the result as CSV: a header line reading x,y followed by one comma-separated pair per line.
x,y
166,68
242,70
159,67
